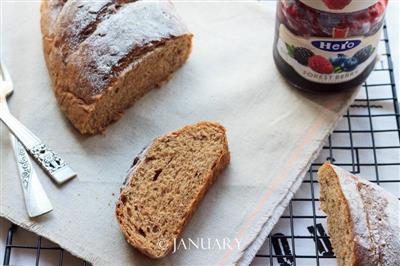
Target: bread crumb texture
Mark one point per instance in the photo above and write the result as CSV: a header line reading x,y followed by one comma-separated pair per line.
x,y
167,182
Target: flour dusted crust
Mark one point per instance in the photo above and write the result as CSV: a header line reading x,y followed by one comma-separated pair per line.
x,y
104,55
374,222
166,183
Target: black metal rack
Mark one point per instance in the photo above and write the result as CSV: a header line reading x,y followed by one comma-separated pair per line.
x,y
377,101
285,246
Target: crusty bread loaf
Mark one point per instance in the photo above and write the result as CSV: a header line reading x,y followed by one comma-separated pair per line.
x,y
104,55
166,183
363,219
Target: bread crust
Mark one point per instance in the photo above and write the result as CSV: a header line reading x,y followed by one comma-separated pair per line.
x,y
87,66
210,178
372,214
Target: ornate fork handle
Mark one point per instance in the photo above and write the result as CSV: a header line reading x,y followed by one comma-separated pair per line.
x,y
50,161
36,200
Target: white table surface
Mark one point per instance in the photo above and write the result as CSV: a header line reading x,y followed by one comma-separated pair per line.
x,y
24,257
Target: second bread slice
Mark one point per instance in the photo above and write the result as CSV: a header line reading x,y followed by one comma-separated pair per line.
x,y
166,183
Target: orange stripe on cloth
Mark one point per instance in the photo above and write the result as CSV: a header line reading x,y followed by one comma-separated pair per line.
x,y
283,175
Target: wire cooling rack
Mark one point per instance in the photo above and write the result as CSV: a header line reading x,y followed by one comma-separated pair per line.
x,y
366,142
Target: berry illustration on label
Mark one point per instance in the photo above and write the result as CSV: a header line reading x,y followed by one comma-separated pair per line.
x,y
364,54
302,55
338,61
336,64
320,64
336,4
342,63
349,64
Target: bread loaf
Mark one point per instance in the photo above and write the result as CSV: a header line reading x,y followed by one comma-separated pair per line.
x,y
363,219
104,55
166,183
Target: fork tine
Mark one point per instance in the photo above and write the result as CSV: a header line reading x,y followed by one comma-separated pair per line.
x,y
4,72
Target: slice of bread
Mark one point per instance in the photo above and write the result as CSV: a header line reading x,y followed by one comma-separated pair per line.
x,y
363,218
166,183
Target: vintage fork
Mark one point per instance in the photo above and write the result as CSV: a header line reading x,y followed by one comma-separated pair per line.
x,y
36,201
50,161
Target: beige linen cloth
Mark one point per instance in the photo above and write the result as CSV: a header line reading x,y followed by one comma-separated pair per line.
x,y
274,132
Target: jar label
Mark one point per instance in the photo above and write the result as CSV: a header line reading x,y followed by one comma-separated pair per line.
x,y
327,60
339,6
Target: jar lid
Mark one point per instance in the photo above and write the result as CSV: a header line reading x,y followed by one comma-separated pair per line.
x,y
339,6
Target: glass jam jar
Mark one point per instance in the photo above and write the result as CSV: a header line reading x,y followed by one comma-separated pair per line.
x,y
327,45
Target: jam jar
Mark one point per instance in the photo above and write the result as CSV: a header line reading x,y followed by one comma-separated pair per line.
x,y
327,45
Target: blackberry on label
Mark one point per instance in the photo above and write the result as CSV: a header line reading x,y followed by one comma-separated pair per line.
x,y
302,55
363,54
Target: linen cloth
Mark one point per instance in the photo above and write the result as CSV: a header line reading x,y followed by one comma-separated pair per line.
x,y
274,132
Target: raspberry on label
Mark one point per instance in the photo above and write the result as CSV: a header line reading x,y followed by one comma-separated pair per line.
x,y
320,64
